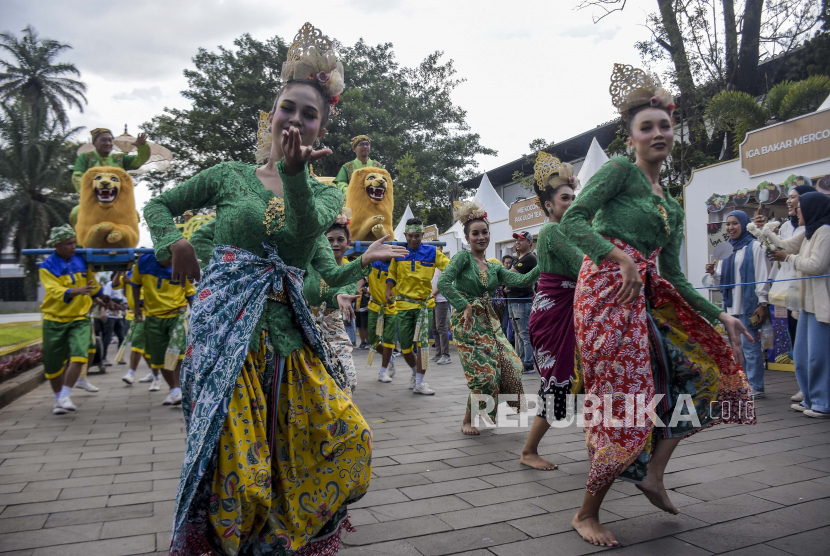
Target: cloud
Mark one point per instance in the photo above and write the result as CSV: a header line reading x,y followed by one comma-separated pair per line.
x,y
151,94
153,40
375,6
599,32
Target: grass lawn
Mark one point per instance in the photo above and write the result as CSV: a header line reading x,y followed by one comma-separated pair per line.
x,y
10,336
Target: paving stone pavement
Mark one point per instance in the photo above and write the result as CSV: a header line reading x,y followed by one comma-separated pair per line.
x,y
102,481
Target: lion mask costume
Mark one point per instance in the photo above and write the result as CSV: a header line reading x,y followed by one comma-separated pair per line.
x,y
107,216
370,198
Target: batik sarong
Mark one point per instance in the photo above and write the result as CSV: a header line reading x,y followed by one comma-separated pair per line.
x,y
656,345
553,339
490,363
330,321
275,448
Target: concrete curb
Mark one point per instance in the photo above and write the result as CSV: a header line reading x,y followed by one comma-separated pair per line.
x,y
23,383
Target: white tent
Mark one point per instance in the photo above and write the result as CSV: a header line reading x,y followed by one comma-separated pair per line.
x,y
407,214
491,201
824,105
593,161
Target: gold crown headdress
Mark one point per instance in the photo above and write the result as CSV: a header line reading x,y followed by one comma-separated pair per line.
x,y
312,57
548,171
468,210
632,87
263,138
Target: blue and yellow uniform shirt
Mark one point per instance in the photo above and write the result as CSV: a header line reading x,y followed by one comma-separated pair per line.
x,y
58,277
162,296
128,293
377,288
413,274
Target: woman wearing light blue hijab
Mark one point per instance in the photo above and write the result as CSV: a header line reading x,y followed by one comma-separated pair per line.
x,y
748,263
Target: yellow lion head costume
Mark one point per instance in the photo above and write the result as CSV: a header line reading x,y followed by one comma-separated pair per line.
x,y
107,215
370,198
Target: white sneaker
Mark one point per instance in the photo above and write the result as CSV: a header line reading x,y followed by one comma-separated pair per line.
x,y
129,378
149,378
797,397
444,360
66,404
58,410
83,384
436,358
423,389
155,386
173,399
384,377
798,407
412,382
391,368
758,394
816,414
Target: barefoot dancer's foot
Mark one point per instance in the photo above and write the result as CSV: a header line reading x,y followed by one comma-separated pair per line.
x,y
468,428
592,531
657,495
537,462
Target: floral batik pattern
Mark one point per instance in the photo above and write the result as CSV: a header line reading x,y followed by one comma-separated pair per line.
x,y
658,344
178,342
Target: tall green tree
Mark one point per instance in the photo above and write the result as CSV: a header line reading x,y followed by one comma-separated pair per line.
x,y
31,72
35,180
408,112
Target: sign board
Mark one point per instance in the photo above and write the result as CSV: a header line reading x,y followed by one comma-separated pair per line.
x,y
430,233
526,213
716,235
787,145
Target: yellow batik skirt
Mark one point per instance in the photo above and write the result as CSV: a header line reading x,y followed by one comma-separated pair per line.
x,y
282,480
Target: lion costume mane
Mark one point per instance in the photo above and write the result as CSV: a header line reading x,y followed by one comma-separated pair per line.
x,y
107,216
370,198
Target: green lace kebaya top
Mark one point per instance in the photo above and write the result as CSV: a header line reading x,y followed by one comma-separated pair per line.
x,y
461,281
621,203
557,254
241,200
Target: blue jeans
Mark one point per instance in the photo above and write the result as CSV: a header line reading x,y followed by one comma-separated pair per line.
x,y
520,313
753,354
812,362
350,329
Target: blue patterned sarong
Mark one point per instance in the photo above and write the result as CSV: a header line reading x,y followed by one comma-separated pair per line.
x,y
231,299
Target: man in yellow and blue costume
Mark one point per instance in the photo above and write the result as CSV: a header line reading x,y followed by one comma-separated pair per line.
x,y
165,328
412,276
382,326
67,333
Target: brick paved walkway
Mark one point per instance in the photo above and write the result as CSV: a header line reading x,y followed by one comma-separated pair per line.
x,y
102,481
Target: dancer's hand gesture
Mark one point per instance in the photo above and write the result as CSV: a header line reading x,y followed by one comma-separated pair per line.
x,y
735,330
296,154
345,303
379,251
467,317
185,264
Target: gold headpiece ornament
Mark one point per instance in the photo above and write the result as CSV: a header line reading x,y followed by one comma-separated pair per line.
x,y
345,217
312,58
632,87
98,131
550,172
359,138
263,138
468,210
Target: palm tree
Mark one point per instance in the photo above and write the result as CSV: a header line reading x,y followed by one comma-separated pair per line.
x,y
36,190
33,74
741,113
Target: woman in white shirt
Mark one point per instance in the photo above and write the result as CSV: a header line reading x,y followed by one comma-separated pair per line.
x,y
812,346
748,263
787,230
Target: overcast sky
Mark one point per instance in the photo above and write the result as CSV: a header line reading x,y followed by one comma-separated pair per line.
x,y
533,69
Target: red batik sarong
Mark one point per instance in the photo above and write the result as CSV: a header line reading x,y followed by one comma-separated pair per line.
x,y
658,344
